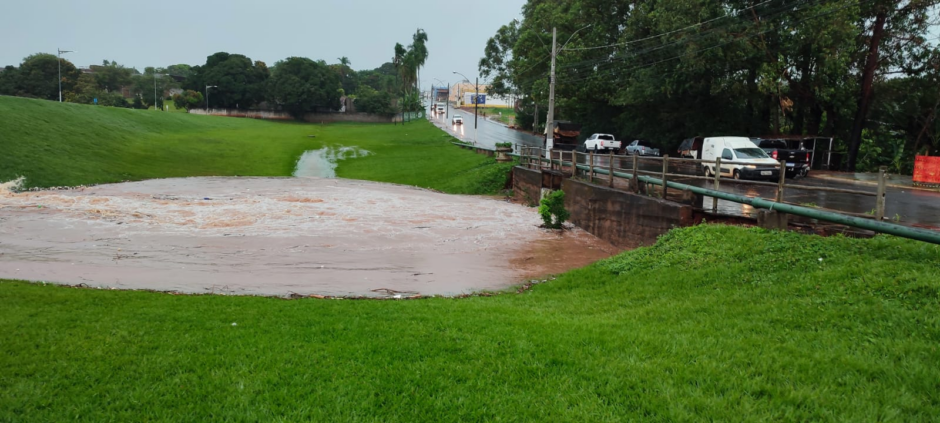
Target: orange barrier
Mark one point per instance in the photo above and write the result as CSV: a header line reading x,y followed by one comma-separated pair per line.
x,y
927,170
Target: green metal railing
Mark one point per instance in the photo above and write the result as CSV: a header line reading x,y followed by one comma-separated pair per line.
x,y
878,226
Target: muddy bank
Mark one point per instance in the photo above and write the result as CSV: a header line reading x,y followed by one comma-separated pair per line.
x,y
277,236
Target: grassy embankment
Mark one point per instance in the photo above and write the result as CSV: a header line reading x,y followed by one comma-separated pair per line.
x,y
769,327
54,144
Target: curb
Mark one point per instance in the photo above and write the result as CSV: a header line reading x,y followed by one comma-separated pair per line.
x,y
871,183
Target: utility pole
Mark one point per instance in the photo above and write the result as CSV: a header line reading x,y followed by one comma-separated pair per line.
x,y
447,102
550,142
59,60
476,103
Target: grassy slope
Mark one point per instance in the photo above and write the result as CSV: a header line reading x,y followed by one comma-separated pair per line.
x,y
67,144
758,330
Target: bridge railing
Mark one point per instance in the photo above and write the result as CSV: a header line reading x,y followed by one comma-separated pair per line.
x,y
670,168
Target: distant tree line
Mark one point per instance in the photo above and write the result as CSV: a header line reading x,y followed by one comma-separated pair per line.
x,y
864,72
297,85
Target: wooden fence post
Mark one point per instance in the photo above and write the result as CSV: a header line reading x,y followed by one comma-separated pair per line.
x,y
636,173
611,168
665,170
717,183
592,165
782,180
880,198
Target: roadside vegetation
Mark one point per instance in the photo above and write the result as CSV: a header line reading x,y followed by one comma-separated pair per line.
x,y
770,327
53,144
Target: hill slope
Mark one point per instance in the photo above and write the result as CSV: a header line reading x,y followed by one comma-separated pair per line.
x,y
54,144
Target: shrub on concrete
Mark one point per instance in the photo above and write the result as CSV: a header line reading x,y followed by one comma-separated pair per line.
x,y
553,211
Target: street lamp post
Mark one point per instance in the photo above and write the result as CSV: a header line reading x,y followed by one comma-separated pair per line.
x,y
207,97
59,60
155,89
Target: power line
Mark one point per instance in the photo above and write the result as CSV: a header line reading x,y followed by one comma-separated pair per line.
x,y
667,33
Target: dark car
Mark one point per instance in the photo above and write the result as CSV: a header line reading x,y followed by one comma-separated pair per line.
x,y
798,161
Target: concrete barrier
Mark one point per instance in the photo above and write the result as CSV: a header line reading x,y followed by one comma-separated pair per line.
x,y
624,219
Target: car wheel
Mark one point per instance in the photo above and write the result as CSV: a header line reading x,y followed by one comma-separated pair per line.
x,y
737,174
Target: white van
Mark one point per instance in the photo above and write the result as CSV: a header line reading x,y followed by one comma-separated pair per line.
x,y
749,161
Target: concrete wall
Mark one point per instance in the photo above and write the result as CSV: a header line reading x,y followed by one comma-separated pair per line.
x,y
309,117
527,185
622,218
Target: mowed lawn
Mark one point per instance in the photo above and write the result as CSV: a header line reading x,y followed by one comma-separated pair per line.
x,y
770,327
53,144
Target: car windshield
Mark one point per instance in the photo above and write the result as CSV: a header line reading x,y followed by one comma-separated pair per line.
x,y
750,153
643,143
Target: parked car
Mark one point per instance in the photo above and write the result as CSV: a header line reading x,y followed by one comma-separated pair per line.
x,y
746,160
598,142
797,160
643,148
691,148
456,120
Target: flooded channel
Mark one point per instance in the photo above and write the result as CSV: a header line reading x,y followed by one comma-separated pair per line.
x,y
281,236
322,163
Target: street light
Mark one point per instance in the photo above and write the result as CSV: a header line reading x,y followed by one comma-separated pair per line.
x,y
59,60
155,89
207,97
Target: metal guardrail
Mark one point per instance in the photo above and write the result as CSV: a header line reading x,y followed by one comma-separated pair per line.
x,y
876,225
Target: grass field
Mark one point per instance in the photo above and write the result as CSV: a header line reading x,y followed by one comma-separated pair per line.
x,y
54,144
771,327
506,115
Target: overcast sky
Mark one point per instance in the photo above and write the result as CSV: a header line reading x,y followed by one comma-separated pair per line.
x,y
161,33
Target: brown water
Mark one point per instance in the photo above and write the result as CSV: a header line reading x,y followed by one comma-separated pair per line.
x,y
278,236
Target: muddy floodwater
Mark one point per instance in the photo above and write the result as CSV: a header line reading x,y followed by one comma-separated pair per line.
x,y
281,236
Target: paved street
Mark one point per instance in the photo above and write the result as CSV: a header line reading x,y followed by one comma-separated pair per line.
x,y
487,133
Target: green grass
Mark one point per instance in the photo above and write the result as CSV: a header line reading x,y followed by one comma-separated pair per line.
x,y
757,330
54,144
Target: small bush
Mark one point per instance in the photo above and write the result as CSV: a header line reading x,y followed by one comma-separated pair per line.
x,y
552,209
504,145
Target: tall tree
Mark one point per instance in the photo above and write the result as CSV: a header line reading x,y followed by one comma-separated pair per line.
x,y
239,82
300,85
38,76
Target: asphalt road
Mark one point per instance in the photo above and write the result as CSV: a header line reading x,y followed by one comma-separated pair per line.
x,y
486,134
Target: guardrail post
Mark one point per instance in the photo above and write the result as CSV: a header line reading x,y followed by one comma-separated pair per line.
x,y
636,173
782,180
591,158
717,183
574,164
611,168
880,199
665,169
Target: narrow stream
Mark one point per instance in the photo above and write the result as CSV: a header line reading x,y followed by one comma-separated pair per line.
x,y
322,163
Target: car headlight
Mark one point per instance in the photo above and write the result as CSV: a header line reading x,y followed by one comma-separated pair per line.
x,y
750,167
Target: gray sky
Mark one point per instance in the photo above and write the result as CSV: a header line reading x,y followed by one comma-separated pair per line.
x,y
166,32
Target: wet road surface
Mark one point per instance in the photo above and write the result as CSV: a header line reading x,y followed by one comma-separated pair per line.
x,y
905,206
487,133
278,236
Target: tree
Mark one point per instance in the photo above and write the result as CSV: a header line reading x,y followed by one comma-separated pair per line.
x,y
188,100
240,83
368,100
112,77
300,85
497,56
8,80
38,76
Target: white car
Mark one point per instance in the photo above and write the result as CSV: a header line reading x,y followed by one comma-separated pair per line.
x,y
643,148
456,120
745,160
599,142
